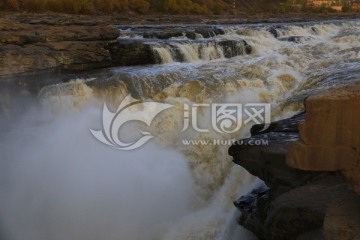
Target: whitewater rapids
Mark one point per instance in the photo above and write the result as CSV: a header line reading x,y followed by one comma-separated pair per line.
x,y
58,182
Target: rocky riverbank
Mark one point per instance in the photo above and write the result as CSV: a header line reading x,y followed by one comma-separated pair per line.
x,y
33,43
310,171
28,45
36,42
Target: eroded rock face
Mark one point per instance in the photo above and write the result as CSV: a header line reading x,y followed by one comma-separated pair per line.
x,y
268,161
128,52
330,136
297,202
26,47
125,53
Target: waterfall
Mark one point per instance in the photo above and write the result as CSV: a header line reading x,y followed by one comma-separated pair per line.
x,y
199,51
164,54
59,182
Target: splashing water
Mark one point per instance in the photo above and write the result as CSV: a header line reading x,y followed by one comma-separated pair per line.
x,y
58,182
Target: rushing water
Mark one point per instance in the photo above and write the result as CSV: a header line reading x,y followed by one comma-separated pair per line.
x,y
59,182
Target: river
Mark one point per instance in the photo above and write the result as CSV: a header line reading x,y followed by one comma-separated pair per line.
x,y
59,182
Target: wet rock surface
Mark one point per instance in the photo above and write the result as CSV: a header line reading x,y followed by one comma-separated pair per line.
x,y
268,161
28,45
274,32
295,39
168,32
41,42
235,48
209,32
128,52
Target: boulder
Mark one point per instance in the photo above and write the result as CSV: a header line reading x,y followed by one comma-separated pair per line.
x,y
233,48
191,35
273,32
295,39
253,207
303,209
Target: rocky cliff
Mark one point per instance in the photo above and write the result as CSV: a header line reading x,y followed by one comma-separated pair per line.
x,y
37,43
310,170
330,136
28,45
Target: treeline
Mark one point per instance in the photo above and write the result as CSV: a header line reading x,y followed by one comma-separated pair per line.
x,y
164,6
121,6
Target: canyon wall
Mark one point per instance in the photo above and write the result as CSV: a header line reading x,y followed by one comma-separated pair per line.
x,y
310,170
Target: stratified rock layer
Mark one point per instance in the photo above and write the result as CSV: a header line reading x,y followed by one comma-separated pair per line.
x,y
330,136
26,46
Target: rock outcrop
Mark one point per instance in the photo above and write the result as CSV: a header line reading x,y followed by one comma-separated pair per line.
x,y
33,45
125,53
128,52
295,39
295,203
167,33
330,136
268,161
27,46
311,167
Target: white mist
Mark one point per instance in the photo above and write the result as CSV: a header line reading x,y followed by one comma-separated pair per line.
x,y
59,183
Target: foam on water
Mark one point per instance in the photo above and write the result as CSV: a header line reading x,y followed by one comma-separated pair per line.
x,y
60,183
